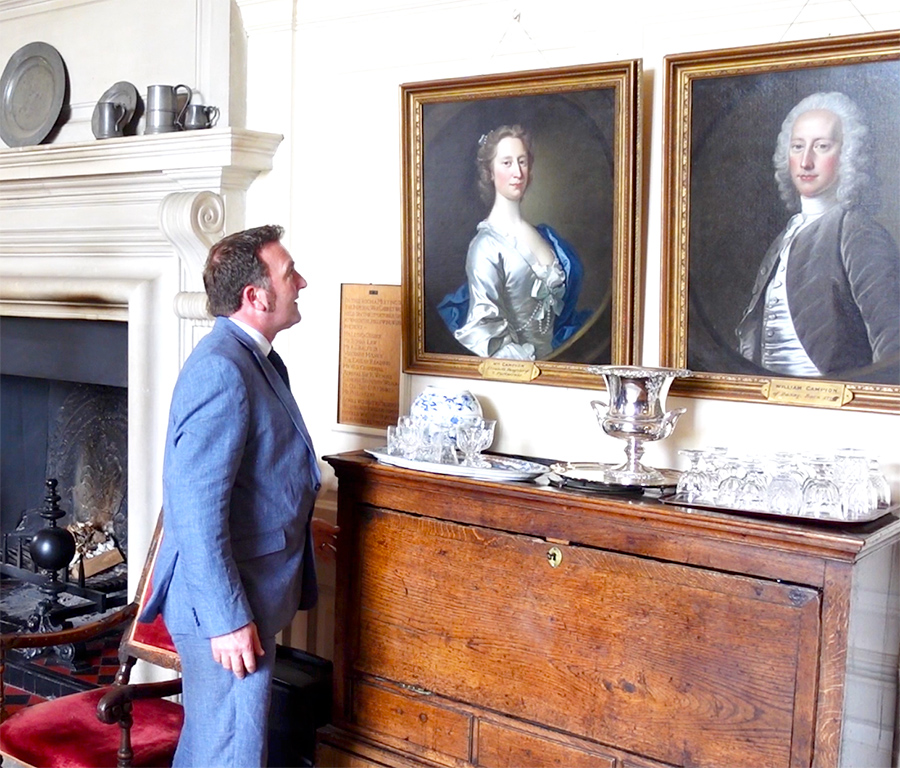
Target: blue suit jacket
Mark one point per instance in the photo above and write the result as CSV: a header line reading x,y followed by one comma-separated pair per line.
x,y
239,483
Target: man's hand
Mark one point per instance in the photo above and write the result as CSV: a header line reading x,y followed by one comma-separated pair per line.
x,y
324,539
237,651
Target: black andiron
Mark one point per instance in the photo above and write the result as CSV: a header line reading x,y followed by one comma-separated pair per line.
x,y
52,549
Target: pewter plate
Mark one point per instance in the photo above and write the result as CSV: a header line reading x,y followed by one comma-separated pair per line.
x,y
875,514
123,93
501,468
32,90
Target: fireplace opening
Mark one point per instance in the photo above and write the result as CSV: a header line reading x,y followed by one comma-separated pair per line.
x,y
64,415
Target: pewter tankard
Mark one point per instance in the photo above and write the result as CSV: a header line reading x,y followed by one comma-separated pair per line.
x,y
110,118
163,114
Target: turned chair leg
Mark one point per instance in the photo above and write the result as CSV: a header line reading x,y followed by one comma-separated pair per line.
x,y
125,754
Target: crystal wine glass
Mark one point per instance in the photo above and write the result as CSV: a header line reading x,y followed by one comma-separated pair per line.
x,y
430,446
693,484
753,490
406,437
821,497
729,483
793,463
712,463
879,490
472,438
393,441
784,493
851,469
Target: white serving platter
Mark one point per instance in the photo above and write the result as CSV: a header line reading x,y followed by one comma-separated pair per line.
x,y
500,468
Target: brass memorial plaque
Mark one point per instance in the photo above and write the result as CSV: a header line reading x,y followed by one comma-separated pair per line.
x,y
369,376
509,370
825,394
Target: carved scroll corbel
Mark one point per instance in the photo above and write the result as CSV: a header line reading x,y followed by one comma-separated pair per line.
x,y
192,222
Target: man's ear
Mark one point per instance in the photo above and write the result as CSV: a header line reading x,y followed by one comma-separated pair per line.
x,y
255,298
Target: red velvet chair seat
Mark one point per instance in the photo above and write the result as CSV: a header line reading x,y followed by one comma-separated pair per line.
x,y
65,733
70,732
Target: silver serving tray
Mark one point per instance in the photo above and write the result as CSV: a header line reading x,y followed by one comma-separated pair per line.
x,y
32,91
676,499
591,476
501,468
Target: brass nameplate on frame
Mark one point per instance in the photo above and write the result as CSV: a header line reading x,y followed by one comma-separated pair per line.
x,y
820,393
369,377
509,370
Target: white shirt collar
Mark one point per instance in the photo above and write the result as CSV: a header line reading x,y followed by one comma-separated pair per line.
x,y
262,342
816,206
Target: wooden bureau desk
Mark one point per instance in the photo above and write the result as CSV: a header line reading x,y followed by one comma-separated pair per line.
x,y
509,625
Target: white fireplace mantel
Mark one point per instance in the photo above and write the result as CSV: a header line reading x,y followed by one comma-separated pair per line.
x,y
118,230
231,149
80,222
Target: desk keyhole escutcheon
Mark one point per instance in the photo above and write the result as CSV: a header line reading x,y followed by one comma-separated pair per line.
x,y
554,557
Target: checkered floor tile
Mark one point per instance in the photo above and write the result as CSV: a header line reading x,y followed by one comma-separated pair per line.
x,y
15,699
46,677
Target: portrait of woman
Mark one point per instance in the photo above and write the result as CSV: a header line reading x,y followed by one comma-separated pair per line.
x,y
523,281
826,301
517,196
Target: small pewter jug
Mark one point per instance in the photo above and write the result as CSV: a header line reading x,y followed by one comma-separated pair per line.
x,y
199,116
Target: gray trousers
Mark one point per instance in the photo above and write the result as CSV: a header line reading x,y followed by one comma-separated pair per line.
x,y
225,719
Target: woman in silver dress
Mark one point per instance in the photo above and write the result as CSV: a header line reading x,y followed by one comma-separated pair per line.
x,y
522,280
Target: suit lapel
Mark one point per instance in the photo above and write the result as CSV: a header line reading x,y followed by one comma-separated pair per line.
x,y
284,394
275,381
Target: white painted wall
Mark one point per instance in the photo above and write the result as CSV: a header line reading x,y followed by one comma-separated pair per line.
x,y
332,87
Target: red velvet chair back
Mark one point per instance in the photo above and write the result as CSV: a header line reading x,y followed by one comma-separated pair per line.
x,y
150,642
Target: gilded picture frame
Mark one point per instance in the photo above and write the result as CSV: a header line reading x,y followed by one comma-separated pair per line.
x,y
759,283
583,128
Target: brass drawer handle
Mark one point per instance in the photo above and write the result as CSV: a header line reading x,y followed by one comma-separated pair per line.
x,y
554,556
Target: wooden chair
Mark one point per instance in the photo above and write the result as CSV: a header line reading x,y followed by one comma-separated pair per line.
x,y
77,730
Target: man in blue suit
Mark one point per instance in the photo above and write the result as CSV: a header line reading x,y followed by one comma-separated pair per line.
x,y
239,483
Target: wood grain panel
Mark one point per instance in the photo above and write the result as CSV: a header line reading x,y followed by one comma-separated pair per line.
x,y
659,659
336,748
329,756
500,747
834,664
412,720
